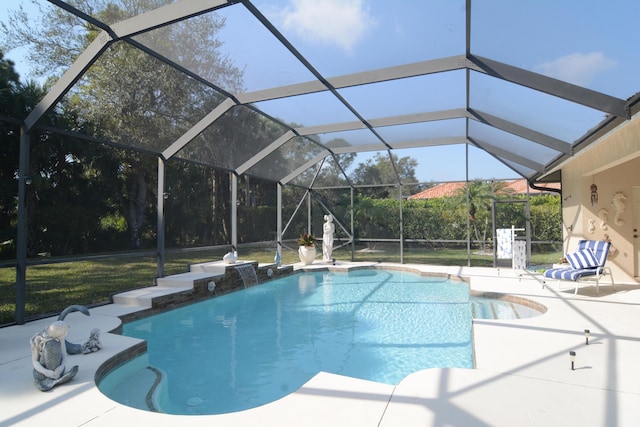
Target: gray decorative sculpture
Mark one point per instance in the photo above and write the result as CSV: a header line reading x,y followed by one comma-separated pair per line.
x,y
50,348
48,357
71,347
327,238
93,343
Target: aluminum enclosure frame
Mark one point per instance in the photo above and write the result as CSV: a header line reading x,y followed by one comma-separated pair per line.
x,y
617,110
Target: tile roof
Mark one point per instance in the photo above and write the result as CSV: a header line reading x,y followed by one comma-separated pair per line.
x,y
450,189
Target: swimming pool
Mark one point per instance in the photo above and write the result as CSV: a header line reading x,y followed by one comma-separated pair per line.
x,y
248,348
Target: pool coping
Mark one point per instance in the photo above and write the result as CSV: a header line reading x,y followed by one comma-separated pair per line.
x,y
531,356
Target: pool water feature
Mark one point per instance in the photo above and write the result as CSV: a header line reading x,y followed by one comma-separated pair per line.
x,y
251,347
247,274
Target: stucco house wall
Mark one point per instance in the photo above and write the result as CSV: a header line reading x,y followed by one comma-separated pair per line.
x,y
613,165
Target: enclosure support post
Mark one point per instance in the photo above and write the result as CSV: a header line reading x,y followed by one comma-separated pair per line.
x,y
401,228
21,237
353,236
234,211
309,212
468,206
493,224
279,221
162,192
527,227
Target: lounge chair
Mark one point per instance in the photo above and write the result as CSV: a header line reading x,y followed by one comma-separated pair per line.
x,y
586,264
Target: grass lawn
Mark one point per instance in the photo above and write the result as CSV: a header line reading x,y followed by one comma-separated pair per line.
x,y
53,287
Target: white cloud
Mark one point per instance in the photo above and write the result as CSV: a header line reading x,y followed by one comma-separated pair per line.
x,y
577,68
340,22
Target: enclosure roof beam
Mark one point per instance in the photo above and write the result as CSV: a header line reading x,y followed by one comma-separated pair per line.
x,y
430,116
394,166
480,116
304,167
361,148
344,173
166,15
551,86
430,142
455,113
198,128
153,19
362,78
526,133
330,128
90,19
68,79
497,151
287,44
265,152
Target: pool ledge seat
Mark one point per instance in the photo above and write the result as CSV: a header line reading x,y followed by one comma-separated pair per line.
x,y
168,285
586,264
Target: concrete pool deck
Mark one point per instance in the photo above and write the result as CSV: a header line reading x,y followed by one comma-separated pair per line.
x,y
523,374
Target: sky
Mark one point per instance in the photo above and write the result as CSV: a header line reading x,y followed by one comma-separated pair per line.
x,y
17,55
584,42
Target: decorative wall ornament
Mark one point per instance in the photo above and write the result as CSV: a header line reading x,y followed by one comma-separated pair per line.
x,y
591,225
594,194
603,214
618,202
613,251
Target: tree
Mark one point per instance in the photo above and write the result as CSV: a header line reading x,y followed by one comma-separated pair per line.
x,y
481,196
128,96
380,170
9,149
330,174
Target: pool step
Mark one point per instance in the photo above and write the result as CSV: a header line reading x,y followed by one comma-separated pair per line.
x,y
216,267
144,297
166,286
187,280
134,384
206,271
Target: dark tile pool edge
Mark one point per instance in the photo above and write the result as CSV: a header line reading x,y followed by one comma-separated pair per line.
x,y
118,360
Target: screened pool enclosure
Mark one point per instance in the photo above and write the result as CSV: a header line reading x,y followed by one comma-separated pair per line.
x,y
301,96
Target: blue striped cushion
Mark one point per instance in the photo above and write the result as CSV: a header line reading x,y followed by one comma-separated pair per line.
x,y
570,273
600,249
584,258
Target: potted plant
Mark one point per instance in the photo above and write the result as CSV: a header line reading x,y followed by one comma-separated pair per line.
x,y
307,249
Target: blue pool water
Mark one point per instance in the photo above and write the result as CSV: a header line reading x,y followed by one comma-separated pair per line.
x,y
248,348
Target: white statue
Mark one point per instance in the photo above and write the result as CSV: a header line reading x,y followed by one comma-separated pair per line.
x,y
230,258
327,238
